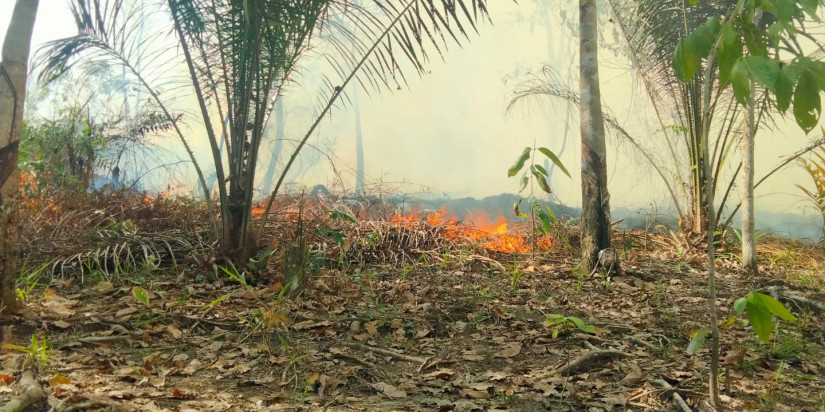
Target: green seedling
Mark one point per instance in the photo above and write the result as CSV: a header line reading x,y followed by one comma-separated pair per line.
x,y
561,324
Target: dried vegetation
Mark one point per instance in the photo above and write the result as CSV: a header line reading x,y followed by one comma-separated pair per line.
x,y
133,311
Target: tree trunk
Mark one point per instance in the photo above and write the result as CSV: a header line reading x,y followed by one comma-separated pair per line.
x,y
13,70
595,220
748,224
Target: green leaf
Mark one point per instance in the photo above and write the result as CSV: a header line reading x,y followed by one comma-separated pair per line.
x,y
810,7
546,219
730,50
542,181
739,306
686,62
740,82
754,38
553,158
785,83
775,307
697,341
550,213
140,295
519,163
336,236
760,318
337,214
540,169
785,10
524,181
764,70
705,36
581,325
806,102
729,322
555,319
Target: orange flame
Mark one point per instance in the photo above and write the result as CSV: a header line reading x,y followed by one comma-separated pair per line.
x,y
477,227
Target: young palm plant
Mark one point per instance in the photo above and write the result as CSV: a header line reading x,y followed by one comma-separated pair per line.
x,y
241,54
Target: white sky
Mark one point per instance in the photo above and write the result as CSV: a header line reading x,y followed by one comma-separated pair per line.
x,y
449,131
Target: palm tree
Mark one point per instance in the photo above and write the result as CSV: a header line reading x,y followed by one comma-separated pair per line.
x,y
595,220
652,29
13,74
241,54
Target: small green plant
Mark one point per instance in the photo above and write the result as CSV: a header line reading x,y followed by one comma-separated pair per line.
x,y
538,175
30,279
515,276
561,324
38,352
761,309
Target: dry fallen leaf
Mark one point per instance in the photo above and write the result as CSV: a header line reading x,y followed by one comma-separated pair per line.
x,y
474,394
511,351
59,379
633,378
61,324
389,390
175,332
735,357
126,312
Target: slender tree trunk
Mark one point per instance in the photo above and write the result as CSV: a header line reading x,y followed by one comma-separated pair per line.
x,y
595,221
13,70
713,384
748,220
359,151
748,224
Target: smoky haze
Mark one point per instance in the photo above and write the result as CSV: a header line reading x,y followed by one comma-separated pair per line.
x,y
448,134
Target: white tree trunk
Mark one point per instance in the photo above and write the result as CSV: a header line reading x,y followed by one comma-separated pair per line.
x,y
748,224
13,69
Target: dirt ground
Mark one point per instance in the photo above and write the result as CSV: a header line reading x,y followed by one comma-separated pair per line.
x,y
462,334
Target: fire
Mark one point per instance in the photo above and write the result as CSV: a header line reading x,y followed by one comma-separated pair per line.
x,y
478,227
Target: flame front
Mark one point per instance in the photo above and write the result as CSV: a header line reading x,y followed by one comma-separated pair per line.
x,y
477,227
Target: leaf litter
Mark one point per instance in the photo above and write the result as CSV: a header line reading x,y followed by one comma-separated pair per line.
x,y
462,336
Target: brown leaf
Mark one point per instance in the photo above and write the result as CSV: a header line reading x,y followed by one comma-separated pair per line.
x,y
474,394
179,394
175,332
633,378
511,351
735,357
126,312
389,390
59,379
103,286
61,324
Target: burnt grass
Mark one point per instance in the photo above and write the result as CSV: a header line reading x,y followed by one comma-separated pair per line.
x,y
459,330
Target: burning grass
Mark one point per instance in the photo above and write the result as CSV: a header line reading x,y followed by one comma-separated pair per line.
x,y
406,284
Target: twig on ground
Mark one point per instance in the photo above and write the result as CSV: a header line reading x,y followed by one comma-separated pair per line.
x,y
583,361
29,394
356,360
387,352
676,397
91,403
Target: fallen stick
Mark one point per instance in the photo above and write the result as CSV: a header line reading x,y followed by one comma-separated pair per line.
x,y
387,352
583,361
30,393
676,397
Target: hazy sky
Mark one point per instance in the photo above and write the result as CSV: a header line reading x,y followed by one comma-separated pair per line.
x,y
449,131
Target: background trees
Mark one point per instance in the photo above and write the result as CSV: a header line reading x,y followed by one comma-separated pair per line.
x,y
241,54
